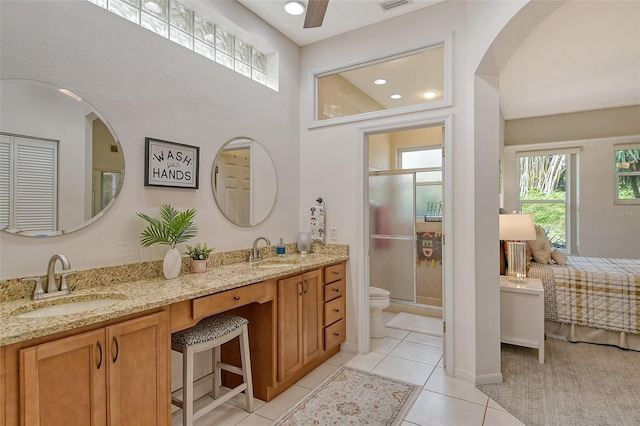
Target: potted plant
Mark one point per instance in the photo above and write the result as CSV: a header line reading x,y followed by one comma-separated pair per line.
x,y
199,255
171,228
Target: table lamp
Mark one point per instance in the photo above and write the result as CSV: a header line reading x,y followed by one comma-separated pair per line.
x,y
515,229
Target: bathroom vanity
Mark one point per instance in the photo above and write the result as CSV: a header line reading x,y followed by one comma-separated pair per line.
x,y
112,365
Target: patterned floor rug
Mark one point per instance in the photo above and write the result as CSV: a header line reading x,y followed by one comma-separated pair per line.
x,y
418,323
579,384
353,397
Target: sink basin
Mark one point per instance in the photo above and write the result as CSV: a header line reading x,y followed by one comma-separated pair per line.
x,y
276,263
72,307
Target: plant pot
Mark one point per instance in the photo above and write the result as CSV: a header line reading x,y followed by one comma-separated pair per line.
x,y
172,264
198,266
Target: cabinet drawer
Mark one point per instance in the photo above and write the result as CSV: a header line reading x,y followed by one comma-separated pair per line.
x,y
334,273
334,290
335,334
333,310
227,300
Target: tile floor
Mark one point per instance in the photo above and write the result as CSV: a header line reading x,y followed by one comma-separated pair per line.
x,y
403,355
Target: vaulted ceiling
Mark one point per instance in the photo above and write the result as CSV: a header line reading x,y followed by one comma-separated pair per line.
x,y
584,56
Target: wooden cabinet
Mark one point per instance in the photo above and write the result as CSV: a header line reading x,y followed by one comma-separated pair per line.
x,y
116,375
300,321
334,305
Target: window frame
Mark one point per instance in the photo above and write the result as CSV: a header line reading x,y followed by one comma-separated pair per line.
x,y
417,171
361,61
617,175
571,192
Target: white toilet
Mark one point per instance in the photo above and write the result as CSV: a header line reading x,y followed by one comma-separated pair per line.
x,y
378,300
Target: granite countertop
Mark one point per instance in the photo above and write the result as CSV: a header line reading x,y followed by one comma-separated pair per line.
x,y
142,295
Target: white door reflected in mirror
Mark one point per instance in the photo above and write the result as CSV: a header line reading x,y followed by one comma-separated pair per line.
x,y
244,181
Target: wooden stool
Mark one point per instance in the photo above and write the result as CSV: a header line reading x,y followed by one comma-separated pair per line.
x,y
212,333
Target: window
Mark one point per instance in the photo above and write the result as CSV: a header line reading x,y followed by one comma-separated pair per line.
x,y
28,184
182,25
547,191
428,180
407,81
627,169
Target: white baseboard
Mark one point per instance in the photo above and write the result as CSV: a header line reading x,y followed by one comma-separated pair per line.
x,y
488,379
349,347
484,379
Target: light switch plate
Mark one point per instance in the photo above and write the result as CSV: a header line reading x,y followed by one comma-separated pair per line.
x,y
334,233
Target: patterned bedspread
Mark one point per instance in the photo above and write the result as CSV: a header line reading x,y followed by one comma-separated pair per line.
x,y
593,292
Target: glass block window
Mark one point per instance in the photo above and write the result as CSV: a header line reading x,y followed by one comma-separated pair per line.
x,y
176,22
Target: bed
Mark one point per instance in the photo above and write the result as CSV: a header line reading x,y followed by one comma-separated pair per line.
x,y
594,300
588,299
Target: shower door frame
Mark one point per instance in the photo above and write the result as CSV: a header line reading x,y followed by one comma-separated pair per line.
x,y
411,237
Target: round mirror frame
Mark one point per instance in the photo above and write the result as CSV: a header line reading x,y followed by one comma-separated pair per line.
x,y
244,143
90,109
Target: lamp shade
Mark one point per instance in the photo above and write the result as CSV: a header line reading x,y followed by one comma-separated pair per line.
x,y
517,227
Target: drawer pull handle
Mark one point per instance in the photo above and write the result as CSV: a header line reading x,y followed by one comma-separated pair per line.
x,y
337,290
336,334
236,298
337,310
336,273
100,350
115,358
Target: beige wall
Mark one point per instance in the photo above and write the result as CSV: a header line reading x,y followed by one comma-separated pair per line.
x,y
334,90
380,152
602,123
103,158
411,138
605,229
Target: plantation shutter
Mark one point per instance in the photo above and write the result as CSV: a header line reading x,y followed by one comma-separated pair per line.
x,y
5,181
32,187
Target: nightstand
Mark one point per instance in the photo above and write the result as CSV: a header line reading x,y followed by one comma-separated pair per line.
x,y
522,314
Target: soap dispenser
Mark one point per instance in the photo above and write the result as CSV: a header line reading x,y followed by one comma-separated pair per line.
x,y
280,249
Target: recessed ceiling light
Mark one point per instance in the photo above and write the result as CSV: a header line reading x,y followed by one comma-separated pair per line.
x,y
430,94
396,96
380,81
294,8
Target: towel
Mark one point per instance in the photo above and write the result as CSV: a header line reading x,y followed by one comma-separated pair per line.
x,y
316,223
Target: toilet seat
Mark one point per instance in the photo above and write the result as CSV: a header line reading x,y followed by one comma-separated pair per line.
x,y
376,293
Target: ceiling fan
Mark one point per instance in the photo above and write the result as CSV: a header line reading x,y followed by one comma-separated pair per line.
x,y
315,13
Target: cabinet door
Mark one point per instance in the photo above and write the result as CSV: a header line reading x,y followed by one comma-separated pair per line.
x,y
63,382
312,315
138,379
290,359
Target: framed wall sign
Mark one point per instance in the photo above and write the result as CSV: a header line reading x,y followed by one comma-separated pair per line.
x,y
170,164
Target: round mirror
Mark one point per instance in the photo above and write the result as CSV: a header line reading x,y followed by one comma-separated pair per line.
x,y
244,181
61,166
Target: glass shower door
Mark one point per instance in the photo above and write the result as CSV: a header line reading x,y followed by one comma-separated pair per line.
x,y
392,234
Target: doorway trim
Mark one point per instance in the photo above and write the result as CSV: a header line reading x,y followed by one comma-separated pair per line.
x,y
362,258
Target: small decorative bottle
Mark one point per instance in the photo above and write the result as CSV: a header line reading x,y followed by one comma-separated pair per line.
x,y
280,249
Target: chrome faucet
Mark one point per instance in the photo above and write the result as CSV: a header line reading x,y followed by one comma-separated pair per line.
x,y
52,288
254,256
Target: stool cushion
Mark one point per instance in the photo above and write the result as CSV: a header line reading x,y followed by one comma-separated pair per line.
x,y
207,329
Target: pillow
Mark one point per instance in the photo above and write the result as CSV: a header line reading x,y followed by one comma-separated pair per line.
x,y
540,247
559,257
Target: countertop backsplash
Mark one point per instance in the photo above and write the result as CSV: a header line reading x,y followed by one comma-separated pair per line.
x,y
15,289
